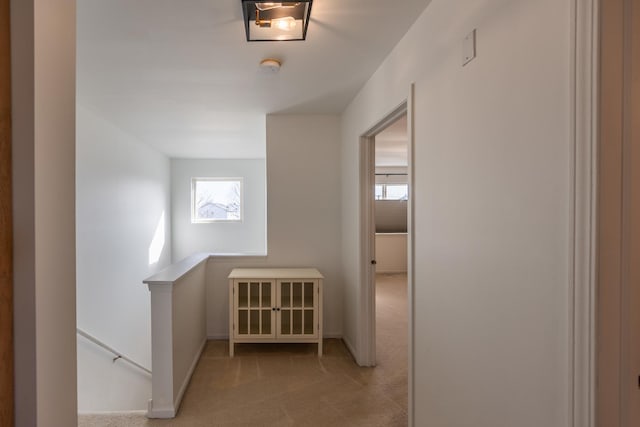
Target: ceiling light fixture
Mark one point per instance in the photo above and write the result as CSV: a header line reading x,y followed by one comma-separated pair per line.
x,y
270,65
268,21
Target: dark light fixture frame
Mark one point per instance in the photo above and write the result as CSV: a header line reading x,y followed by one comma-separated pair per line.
x,y
248,14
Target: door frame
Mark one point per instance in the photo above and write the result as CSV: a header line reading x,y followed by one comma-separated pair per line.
x,y
583,220
618,163
6,224
367,318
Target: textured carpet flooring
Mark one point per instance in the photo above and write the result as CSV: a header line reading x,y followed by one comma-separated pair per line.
x,y
288,385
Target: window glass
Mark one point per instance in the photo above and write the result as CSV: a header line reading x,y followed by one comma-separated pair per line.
x,y
379,191
392,192
216,199
397,192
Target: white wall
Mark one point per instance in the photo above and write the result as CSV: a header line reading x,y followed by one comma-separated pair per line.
x,y
246,237
391,216
391,252
178,331
189,325
43,123
123,236
492,209
303,208
104,386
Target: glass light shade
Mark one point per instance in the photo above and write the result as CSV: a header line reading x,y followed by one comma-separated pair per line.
x,y
270,21
267,6
287,23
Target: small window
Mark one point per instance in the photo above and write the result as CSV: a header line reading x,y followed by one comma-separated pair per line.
x,y
397,191
392,192
216,199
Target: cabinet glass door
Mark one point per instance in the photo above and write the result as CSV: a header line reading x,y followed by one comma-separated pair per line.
x,y
298,303
254,302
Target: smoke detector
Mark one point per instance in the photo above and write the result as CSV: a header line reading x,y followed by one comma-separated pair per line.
x,y
270,65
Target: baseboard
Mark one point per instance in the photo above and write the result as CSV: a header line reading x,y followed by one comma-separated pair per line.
x,y
332,336
131,412
218,337
226,336
391,271
160,413
187,379
350,347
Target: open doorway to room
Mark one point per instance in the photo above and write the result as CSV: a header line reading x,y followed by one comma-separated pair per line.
x,y
390,205
387,241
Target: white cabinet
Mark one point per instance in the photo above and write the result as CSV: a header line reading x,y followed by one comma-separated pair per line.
x,y
275,305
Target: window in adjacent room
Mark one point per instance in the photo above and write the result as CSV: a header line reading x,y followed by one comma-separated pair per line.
x,y
391,192
216,199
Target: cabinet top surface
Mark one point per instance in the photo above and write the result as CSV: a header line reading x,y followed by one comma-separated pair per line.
x,y
275,273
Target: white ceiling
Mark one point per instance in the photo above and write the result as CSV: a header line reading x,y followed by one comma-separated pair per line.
x,y
180,76
392,145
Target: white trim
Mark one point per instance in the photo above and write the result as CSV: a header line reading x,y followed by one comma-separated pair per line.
x,y
176,271
165,412
140,412
367,319
195,180
411,257
582,282
349,346
367,309
332,336
187,379
218,337
161,405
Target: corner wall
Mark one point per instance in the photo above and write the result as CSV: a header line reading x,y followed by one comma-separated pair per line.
x,y
492,200
303,209
123,236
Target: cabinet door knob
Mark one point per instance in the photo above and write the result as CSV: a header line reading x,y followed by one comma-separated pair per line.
x,y
374,262
273,309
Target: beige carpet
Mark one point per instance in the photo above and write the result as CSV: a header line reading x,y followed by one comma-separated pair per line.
x,y
288,385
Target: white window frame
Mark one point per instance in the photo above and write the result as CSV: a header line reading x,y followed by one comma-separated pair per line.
x,y
195,180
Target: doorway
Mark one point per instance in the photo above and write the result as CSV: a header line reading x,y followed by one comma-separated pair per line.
x,y
401,117
390,206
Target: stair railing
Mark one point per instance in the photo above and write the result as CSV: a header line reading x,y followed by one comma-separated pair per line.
x,y
117,354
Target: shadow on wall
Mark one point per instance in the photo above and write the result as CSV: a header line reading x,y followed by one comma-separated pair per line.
x,y
391,216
